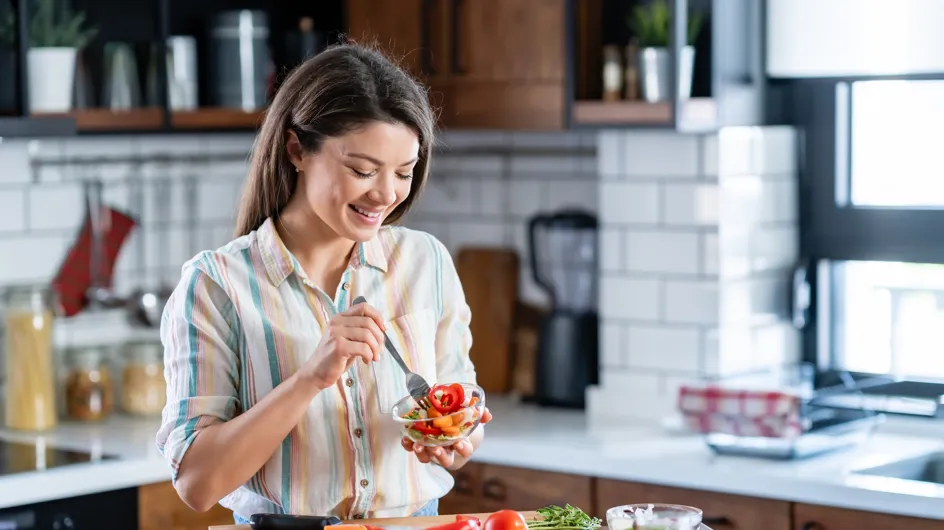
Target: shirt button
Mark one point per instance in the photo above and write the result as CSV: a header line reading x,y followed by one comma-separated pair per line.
x,y
349,382
364,483
358,432
346,286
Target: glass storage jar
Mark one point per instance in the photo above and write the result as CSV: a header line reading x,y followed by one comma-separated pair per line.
x,y
143,390
90,392
28,318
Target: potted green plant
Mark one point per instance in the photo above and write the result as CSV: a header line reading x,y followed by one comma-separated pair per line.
x,y
651,27
55,35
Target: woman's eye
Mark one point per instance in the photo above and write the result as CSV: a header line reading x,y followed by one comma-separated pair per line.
x,y
361,174
405,177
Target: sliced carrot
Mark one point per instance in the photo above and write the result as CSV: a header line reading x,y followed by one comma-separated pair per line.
x,y
433,413
473,401
452,431
443,422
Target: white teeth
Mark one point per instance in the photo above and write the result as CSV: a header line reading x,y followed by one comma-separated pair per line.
x,y
365,212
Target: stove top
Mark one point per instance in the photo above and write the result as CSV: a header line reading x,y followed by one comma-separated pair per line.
x,y
16,457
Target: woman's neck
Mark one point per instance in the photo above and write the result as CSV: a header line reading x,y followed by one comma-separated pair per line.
x,y
320,251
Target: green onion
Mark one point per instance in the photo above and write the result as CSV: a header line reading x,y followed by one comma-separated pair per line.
x,y
566,518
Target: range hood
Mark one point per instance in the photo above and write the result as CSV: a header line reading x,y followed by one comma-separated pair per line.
x,y
854,38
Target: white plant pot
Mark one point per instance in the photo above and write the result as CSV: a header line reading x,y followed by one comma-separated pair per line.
x,y
654,79
51,78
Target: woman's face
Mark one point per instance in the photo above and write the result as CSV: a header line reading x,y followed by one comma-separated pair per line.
x,y
356,180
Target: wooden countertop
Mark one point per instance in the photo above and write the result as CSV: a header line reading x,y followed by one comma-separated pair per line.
x,y
415,522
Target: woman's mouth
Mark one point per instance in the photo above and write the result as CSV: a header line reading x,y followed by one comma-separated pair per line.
x,y
370,216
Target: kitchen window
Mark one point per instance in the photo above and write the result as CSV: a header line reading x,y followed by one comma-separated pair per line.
x,y
873,224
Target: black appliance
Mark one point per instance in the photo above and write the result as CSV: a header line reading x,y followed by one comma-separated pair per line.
x,y
563,256
106,510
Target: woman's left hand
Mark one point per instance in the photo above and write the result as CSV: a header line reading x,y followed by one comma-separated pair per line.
x,y
444,456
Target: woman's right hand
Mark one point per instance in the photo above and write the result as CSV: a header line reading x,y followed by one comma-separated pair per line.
x,y
351,335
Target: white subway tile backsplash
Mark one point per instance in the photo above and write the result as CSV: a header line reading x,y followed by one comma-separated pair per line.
x,y
98,147
610,155
779,201
778,151
660,347
629,203
690,204
476,234
447,196
630,298
57,207
12,210
709,156
612,349
526,197
691,301
217,201
662,251
38,257
572,194
611,249
661,154
493,197
466,139
710,254
183,144
14,161
563,140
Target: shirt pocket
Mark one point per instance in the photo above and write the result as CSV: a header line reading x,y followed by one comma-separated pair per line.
x,y
414,336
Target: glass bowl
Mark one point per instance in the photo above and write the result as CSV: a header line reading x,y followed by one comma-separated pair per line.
x,y
432,428
653,517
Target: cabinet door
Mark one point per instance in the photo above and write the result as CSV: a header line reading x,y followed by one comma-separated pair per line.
x,y
811,517
721,511
411,31
506,65
160,507
466,496
508,40
529,489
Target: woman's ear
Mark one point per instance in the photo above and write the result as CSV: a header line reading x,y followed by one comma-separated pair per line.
x,y
294,149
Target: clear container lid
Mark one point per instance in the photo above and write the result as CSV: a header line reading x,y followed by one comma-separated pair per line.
x,y
145,352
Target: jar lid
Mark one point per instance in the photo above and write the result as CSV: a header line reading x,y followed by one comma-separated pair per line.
x,y
87,355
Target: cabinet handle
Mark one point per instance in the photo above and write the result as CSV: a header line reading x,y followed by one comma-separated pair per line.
x,y
463,484
810,525
717,520
426,10
456,67
494,490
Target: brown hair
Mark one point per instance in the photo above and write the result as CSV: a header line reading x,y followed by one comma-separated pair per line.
x,y
337,91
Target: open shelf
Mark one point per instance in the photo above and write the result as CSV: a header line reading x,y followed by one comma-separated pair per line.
x,y
696,113
216,118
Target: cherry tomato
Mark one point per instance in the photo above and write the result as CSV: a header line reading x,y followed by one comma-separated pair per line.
x,y
505,520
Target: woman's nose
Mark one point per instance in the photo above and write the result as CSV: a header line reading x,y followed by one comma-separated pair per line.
x,y
385,191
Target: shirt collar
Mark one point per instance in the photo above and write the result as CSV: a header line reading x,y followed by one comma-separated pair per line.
x,y
279,262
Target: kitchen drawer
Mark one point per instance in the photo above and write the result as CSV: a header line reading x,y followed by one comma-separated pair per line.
x,y
529,489
722,511
466,496
812,517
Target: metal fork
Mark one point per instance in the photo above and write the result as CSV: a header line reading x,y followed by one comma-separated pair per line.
x,y
418,387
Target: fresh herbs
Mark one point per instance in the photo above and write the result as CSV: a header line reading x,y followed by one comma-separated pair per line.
x,y
566,518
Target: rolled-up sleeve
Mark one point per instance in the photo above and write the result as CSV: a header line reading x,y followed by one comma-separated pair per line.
x,y
453,334
199,330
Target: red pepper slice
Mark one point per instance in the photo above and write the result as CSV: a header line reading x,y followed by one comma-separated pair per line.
x,y
447,398
433,431
459,524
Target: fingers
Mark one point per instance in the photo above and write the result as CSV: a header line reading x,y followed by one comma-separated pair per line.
x,y
486,416
366,310
464,448
354,349
364,329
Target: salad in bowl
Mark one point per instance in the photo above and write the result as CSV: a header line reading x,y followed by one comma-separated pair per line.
x,y
449,413
653,517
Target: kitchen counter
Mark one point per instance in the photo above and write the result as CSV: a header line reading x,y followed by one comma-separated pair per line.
x,y
561,441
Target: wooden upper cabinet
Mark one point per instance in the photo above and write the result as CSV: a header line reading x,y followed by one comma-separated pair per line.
x,y
410,30
508,40
811,517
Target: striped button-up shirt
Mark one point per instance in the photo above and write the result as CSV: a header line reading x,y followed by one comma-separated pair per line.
x,y
245,317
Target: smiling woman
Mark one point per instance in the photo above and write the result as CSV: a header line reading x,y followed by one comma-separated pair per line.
x,y
278,391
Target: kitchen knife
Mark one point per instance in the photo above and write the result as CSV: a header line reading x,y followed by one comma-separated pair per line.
x,y
277,521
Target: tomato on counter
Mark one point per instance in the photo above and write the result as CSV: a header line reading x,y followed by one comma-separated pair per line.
x,y
506,520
